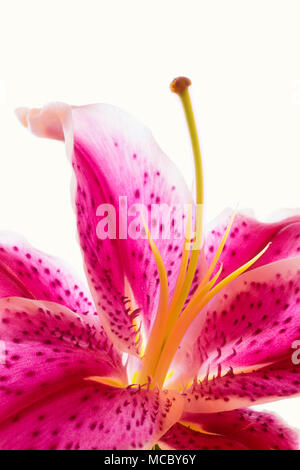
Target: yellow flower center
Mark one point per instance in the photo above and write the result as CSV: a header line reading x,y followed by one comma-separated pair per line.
x,y
173,318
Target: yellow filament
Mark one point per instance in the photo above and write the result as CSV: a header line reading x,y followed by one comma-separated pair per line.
x,y
188,316
209,285
107,381
170,374
197,428
216,256
181,274
190,273
184,258
156,338
135,377
202,293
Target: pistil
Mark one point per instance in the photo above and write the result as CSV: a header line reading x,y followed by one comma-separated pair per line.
x,y
180,86
166,317
155,341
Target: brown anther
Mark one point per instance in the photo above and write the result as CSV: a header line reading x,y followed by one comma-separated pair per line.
x,y
179,84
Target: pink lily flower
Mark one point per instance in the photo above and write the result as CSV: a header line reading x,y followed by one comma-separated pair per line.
x,y
170,345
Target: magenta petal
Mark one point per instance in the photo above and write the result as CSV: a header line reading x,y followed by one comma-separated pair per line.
x,y
285,244
248,237
180,437
252,429
236,390
89,415
27,272
252,322
44,347
114,155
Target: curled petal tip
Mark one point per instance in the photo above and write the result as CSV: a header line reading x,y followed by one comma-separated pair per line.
x,y
21,114
50,121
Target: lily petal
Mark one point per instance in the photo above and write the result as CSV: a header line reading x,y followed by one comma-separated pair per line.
x,y
44,347
285,244
255,320
236,390
248,237
89,416
113,155
237,429
250,323
180,437
27,272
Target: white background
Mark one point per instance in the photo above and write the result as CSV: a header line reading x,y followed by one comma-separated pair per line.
x,y
242,56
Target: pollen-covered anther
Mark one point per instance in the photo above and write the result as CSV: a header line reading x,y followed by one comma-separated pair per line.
x,y
179,84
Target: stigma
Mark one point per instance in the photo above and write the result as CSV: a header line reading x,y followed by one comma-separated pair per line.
x,y
180,84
